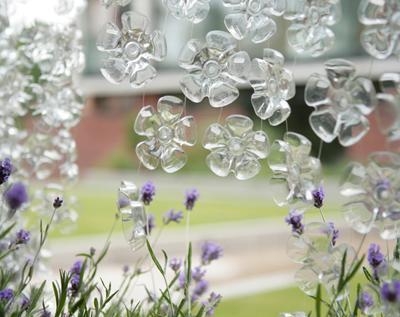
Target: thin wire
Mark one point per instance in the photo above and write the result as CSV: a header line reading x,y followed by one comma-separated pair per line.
x,y
321,143
185,98
220,114
287,125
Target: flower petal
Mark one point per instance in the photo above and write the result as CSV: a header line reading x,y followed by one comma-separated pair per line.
x,y
219,161
131,20
353,179
258,144
170,109
390,83
197,11
191,86
281,112
114,70
215,136
238,125
189,53
142,75
298,144
317,90
246,167
109,37
324,124
262,105
362,94
173,158
159,46
388,115
360,216
222,94
239,65
352,128
221,41
145,153
372,12
379,43
185,131
147,122
339,71
261,28
236,23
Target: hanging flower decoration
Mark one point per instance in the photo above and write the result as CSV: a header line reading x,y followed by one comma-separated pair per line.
x,y
235,147
133,214
341,101
291,164
273,85
315,248
381,35
373,193
121,3
253,18
130,50
214,69
388,108
193,11
166,133
310,31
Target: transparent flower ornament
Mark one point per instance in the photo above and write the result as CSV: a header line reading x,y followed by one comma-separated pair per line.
x,y
253,18
293,167
381,35
215,69
388,107
193,11
235,147
121,3
320,257
373,195
132,213
341,101
166,132
311,20
130,50
273,85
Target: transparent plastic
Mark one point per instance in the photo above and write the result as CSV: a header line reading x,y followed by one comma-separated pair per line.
x,y
193,11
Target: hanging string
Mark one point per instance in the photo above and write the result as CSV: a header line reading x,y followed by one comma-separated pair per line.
x,y
321,143
220,115
185,98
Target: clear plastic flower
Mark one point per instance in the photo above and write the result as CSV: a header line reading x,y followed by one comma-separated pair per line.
x,y
373,193
388,108
193,11
166,133
292,165
214,69
130,50
380,38
311,20
341,101
121,3
235,147
273,85
133,214
253,18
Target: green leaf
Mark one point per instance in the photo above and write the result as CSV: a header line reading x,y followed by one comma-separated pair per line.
x,y
7,231
154,258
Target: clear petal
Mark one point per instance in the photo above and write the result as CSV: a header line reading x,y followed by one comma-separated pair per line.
x,y
388,115
261,28
147,122
324,124
219,161
258,144
263,107
222,94
281,113
353,179
299,144
191,86
189,53
114,70
159,46
246,167
273,57
238,125
339,71
109,37
362,94
239,65
390,83
215,136
236,23
287,84
379,43
141,76
198,11
133,21
173,158
170,109
221,41
389,227
317,90
370,12
185,131
133,224
144,152
352,128
277,159
359,216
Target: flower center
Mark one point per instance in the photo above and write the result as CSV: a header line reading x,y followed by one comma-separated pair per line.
x,y
314,15
382,191
165,134
254,6
236,146
132,50
212,69
273,86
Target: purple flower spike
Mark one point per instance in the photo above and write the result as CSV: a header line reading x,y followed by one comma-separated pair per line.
x,y
209,252
57,202
191,198
76,268
318,196
375,257
25,302
148,191
172,216
198,273
199,289
6,294
22,237
365,301
175,264
212,303
390,292
150,224
334,232
5,170
295,220
16,196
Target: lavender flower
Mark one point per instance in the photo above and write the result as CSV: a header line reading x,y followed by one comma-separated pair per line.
x,y
175,264
6,294
125,269
45,313
334,233
22,237
148,191
199,289
76,268
295,220
25,302
212,303
318,196
191,197
5,170
182,280
172,216
375,257
57,202
210,251
390,292
150,224
75,280
365,301
92,251
198,273
16,196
